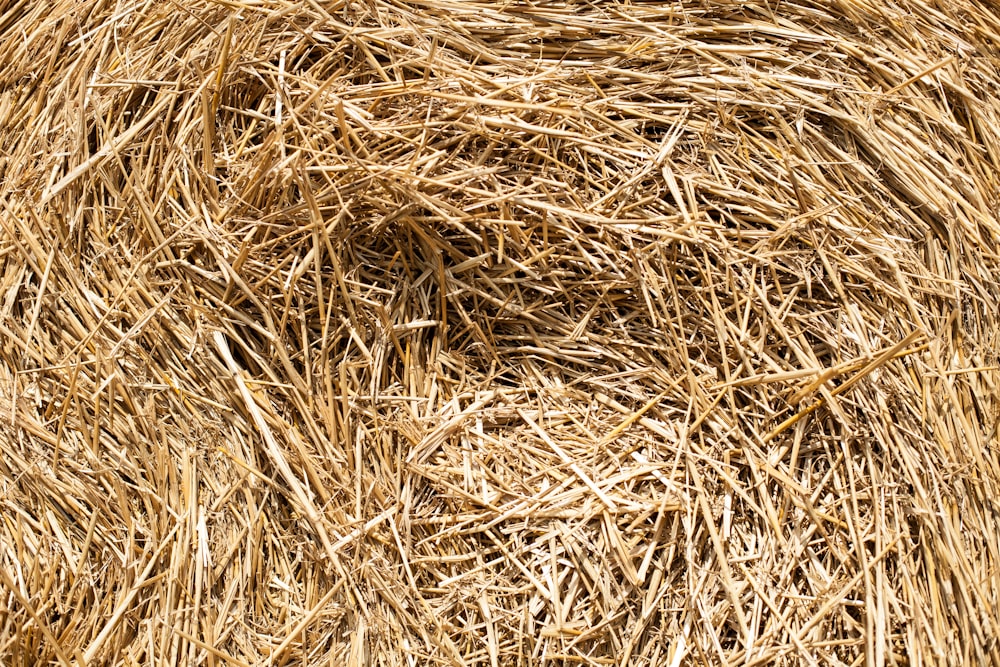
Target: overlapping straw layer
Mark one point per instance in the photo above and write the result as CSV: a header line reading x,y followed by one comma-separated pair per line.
x,y
453,332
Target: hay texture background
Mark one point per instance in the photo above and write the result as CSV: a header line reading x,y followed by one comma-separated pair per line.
x,y
440,332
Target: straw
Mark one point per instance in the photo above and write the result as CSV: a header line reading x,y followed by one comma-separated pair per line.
x,y
436,332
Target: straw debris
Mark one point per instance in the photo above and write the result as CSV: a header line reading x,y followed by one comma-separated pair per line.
x,y
440,332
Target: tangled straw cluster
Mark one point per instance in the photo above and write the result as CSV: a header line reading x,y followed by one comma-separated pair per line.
x,y
417,332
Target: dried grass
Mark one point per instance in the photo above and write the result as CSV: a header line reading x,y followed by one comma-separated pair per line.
x,y
418,332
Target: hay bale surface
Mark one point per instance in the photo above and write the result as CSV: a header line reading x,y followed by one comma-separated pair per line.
x,y
420,332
